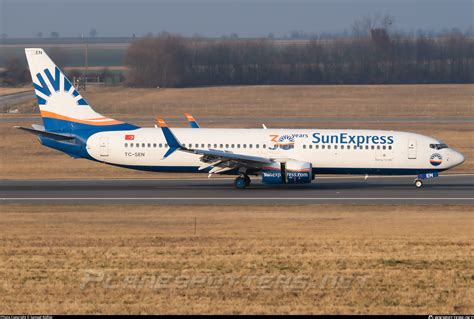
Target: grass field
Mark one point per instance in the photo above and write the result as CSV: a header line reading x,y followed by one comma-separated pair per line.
x,y
441,102
417,101
319,101
265,259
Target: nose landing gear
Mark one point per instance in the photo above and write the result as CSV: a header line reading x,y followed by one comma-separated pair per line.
x,y
418,183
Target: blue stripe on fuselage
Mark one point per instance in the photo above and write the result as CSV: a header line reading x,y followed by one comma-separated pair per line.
x,y
373,171
317,171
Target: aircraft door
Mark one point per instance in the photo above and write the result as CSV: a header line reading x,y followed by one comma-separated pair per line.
x,y
104,146
411,149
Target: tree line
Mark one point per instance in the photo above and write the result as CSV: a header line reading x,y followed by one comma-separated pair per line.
x,y
373,55
372,58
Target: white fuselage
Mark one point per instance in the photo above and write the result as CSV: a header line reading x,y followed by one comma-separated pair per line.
x,y
329,151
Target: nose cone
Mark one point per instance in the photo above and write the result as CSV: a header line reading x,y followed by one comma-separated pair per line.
x,y
457,158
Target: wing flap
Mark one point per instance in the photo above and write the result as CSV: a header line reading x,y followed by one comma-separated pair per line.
x,y
210,156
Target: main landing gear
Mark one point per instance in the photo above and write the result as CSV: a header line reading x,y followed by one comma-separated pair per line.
x,y
242,181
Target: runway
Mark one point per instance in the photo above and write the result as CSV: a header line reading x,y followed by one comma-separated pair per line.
x,y
11,99
448,189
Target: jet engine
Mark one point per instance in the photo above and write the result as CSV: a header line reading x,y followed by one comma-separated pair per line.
x,y
289,172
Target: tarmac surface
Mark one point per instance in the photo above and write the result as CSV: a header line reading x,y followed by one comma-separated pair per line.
x,y
447,189
9,99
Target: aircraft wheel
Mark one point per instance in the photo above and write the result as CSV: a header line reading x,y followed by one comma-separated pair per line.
x,y
247,180
418,183
240,183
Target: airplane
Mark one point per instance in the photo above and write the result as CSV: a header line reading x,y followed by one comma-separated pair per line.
x,y
277,156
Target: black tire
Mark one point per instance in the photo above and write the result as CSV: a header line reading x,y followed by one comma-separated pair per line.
x,y
247,180
240,183
418,183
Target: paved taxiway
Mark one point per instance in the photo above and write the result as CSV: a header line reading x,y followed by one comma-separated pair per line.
x,y
11,99
448,189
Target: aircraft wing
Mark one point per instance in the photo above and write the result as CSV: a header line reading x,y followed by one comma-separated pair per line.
x,y
218,161
221,161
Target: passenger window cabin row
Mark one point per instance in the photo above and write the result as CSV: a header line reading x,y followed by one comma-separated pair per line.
x,y
257,146
161,145
348,147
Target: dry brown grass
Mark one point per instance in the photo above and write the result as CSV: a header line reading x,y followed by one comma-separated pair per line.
x,y
419,101
319,101
13,90
26,159
391,259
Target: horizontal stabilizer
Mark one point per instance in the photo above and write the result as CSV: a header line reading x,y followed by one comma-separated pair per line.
x,y
54,136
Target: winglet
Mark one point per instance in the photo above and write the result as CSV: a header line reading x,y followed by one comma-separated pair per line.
x,y
191,120
171,140
161,122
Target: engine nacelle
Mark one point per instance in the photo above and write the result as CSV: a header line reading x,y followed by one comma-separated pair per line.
x,y
289,172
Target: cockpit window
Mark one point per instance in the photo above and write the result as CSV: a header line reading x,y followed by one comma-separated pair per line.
x,y
438,146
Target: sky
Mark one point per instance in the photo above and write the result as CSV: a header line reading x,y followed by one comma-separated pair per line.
x,y
212,18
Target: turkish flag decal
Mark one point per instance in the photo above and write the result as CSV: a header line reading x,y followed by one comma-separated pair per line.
x,y
129,137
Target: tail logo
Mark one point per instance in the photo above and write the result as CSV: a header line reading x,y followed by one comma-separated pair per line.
x,y
44,92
